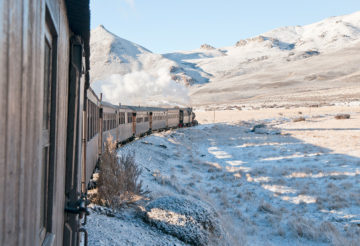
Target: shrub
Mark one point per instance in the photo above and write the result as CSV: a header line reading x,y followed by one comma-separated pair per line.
x,y
118,177
342,116
299,119
303,228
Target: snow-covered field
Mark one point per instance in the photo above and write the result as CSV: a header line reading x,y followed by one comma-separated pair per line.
x,y
284,183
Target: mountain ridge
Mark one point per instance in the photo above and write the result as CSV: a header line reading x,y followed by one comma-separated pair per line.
x,y
210,71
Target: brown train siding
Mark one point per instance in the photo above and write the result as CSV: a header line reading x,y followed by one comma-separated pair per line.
x,y
21,77
61,122
20,127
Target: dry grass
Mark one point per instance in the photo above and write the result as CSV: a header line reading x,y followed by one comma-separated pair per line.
x,y
267,208
324,232
170,181
224,200
303,228
118,178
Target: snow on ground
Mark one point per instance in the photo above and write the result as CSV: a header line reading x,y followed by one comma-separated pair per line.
x,y
293,183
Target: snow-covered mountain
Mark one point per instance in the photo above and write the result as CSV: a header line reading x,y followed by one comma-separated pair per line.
x,y
288,62
112,54
294,62
128,73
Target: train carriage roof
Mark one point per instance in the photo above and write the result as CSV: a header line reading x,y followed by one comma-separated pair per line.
x,y
78,13
109,105
148,109
139,108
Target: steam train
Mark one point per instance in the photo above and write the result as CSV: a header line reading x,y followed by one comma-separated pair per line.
x,y
124,123
52,125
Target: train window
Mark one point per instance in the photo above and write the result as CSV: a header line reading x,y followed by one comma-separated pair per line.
x,y
97,118
105,122
122,118
48,118
93,118
89,125
109,121
129,116
139,120
88,120
146,119
91,109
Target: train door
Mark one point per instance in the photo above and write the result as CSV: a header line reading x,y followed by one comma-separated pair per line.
x,y
72,182
134,123
181,120
48,134
117,125
150,120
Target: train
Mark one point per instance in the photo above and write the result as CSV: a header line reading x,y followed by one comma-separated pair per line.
x,y
124,123
52,125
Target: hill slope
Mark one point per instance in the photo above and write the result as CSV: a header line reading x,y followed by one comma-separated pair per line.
x,y
311,63
285,62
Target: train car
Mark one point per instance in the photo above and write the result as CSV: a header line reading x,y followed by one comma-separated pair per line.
x,y
125,128
173,118
44,64
186,117
109,121
142,120
158,119
93,125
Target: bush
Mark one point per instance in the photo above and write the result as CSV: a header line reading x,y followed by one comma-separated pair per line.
x,y
118,177
342,116
299,119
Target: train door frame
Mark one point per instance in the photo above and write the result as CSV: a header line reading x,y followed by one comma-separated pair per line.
x,y
72,171
181,118
117,124
49,133
134,123
150,120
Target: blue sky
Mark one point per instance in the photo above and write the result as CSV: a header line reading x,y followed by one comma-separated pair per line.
x,y
168,25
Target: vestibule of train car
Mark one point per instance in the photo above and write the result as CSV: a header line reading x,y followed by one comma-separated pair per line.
x,y
48,130
37,40
150,120
76,90
134,123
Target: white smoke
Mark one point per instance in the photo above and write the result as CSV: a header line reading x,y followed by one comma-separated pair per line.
x,y
148,84
131,3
